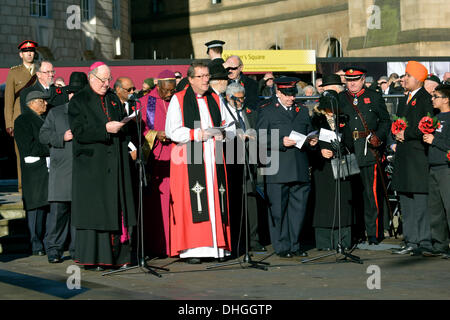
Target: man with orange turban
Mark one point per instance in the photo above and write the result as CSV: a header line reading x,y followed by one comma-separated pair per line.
x,y
410,178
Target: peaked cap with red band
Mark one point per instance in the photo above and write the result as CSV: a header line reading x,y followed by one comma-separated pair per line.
x,y
287,85
27,45
354,73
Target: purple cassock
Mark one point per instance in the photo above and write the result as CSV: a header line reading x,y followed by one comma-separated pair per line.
x,y
156,205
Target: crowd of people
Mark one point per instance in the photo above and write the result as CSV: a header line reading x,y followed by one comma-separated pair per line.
x,y
196,159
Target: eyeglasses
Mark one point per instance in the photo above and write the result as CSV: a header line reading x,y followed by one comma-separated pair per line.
x,y
233,68
103,80
437,97
207,76
383,82
129,89
177,76
48,72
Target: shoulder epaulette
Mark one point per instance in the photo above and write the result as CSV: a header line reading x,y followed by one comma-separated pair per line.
x,y
265,104
14,67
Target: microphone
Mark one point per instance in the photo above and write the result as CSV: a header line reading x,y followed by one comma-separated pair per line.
x,y
133,97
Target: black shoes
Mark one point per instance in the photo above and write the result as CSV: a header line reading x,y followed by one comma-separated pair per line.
x,y
193,260
54,260
434,253
299,253
373,240
39,253
258,247
404,250
323,249
285,254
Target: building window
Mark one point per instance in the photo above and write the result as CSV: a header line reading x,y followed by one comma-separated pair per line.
x,y
38,8
334,48
116,14
85,10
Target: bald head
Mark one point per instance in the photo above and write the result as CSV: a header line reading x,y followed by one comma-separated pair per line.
x,y
123,87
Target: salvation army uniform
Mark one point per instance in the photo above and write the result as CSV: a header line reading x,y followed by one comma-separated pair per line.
x,y
288,188
369,123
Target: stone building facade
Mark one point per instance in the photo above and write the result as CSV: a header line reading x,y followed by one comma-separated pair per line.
x,y
67,30
342,28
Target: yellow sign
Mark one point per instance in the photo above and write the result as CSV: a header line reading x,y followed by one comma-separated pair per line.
x,y
275,60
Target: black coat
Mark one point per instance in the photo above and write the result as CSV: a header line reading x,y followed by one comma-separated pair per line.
x,y
411,162
251,92
324,184
292,163
101,187
373,108
34,175
52,134
58,96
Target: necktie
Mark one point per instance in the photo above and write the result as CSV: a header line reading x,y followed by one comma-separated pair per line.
x,y
241,121
409,98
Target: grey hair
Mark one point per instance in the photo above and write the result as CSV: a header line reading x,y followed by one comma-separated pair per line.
x,y
38,64
238,59
311,88
195,64
234,88
95,71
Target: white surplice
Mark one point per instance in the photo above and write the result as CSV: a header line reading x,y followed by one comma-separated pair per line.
x,y
179,134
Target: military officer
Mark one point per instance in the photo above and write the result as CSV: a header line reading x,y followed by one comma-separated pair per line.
x,y
369,122
19,77
288,188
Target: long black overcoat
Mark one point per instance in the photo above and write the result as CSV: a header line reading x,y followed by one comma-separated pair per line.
x,y
35,174
411,156
101,183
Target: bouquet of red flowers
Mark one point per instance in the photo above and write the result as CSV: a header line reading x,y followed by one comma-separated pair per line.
x,y
428,124
398,125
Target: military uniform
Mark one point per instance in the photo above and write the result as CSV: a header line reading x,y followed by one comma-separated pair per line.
x,y
18,77
372,107
288,189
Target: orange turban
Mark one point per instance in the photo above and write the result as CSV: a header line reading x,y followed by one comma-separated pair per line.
x,y
417,70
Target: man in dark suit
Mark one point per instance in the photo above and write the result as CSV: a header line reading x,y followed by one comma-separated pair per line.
x,y
245,120
411,164
235,66
56,134
45,76
33,161
288,188
369,122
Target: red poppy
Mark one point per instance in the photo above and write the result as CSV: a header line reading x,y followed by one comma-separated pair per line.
x,y
413,103
297,109
428,125
366,100
448,155
248,110
113,103
341,125
398,125
223,123
58,91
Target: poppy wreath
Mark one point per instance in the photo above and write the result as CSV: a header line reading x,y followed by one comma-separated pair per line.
x,y
429,124
398,125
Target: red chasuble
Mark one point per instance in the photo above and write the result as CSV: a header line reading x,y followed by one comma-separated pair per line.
x,y
185,233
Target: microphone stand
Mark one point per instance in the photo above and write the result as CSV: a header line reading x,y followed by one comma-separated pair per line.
x,y
339,247
244,211
142,261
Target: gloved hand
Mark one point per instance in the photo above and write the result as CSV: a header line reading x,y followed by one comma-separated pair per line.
x,y
336,145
